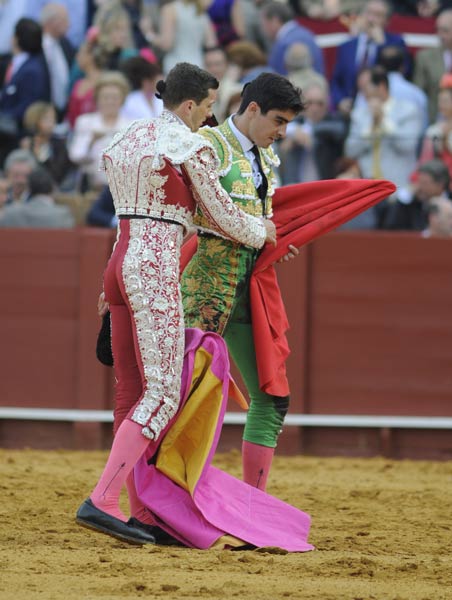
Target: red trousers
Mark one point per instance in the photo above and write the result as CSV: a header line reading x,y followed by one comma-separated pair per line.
x,y
141,284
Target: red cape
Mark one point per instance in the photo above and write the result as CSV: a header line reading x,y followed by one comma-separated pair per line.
x,y
302,212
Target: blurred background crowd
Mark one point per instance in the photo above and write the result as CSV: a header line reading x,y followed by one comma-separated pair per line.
x,y
74,72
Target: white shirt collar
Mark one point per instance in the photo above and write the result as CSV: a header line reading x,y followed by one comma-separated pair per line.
x,y
49,39
245,142
363,40
18,60
246,145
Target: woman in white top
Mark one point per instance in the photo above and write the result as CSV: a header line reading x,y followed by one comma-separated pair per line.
x,y
94,131
185,30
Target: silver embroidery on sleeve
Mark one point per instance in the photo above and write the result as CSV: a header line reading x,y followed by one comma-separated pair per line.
x,y
151,279
226,218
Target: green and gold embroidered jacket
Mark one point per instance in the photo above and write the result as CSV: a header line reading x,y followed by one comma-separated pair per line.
x,y
217,277
236,174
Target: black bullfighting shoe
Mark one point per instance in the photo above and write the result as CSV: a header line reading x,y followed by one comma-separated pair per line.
x,y
161,536
90,516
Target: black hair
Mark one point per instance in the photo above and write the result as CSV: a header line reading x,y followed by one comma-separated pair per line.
x,y
40,182
438,171
378,76
137,69
186,82
28,34
271,92
392,58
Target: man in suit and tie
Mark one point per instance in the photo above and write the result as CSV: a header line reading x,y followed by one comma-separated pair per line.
x,y
384,133
10,12
361,51
27,77
59,53
215,283
81,13
431,64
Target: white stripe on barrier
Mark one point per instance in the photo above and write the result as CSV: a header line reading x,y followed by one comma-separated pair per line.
x,y
232,418
412,40
421,40
331,40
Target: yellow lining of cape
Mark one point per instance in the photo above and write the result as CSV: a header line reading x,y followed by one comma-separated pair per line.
x,y
185,448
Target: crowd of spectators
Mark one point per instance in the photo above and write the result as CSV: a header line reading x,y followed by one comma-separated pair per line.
x,y
74,72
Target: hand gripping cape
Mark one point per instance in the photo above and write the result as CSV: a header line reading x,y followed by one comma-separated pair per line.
x,y
195,502
301,213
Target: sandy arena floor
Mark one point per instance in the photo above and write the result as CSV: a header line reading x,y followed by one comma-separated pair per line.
x,y
383,531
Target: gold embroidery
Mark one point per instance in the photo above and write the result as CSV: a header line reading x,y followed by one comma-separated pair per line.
x,y
242,188
223,149
225,218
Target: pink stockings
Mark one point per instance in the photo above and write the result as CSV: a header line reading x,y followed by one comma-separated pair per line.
x,y
256,460
137,508
128,446
135,287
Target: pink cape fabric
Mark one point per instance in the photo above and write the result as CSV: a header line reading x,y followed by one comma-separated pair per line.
x,y
219,504
302,213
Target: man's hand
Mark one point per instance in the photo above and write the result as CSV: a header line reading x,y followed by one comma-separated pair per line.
x,y
376,109
293,252
102,305
376,33
271,231
345,106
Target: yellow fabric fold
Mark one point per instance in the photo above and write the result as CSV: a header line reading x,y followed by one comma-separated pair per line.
x,y
186,446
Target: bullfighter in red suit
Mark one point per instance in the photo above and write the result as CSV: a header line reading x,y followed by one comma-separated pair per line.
x,y
159,171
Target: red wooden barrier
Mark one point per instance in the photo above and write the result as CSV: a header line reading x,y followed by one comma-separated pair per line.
x,y
379,338
49,285
371,334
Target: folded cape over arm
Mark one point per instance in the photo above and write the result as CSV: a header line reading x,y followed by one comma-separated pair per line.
x,y
302,213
